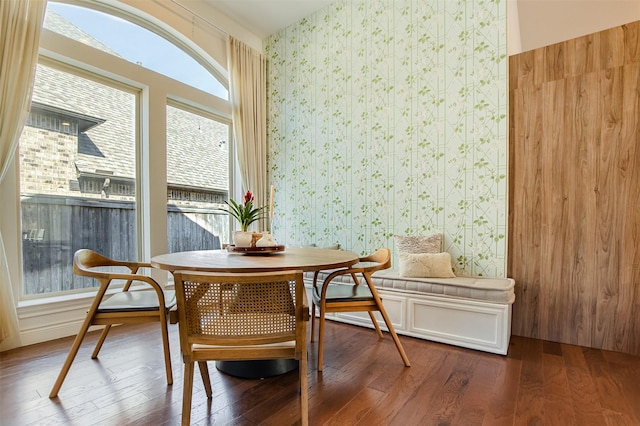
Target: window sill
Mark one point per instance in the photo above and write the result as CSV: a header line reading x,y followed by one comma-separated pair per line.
x,y
62,298
54,317
68,298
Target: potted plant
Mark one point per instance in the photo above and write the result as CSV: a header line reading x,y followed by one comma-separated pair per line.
x,y
245,214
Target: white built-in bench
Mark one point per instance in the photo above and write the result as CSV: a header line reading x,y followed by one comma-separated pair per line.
x,y
472,312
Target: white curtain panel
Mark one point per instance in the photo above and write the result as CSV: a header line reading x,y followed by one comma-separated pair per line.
x,y
248,92
20,27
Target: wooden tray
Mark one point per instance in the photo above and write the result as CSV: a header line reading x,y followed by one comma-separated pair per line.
x,y
255,250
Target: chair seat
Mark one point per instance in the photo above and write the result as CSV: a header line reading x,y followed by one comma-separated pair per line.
x,y
342,292
130,301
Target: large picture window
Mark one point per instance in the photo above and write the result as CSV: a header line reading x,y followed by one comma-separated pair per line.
x,y
83,179
77,177
197,179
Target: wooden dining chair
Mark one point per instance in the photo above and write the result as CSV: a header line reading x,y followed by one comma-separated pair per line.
x,y
242,316
353,297
122,307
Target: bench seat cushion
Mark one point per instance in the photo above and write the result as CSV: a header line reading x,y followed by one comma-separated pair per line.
x,y
495,290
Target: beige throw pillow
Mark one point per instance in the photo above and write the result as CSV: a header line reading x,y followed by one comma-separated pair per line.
x,y
426,265
418,243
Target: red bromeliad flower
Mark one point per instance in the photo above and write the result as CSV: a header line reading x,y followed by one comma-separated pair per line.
x,y
248,197
245,213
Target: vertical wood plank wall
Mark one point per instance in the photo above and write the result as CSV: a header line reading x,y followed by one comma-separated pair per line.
x,y
574,192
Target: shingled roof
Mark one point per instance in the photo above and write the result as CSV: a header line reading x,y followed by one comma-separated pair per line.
x,y
197,147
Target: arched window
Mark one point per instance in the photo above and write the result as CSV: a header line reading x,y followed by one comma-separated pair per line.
x,y
133,43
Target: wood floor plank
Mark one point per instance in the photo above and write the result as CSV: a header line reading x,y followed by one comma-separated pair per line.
x,y
474,402
405,386
364,383
445,402
625,369
530,404
557,396
609,387
338,386
357,408
424,393
502,403
584,395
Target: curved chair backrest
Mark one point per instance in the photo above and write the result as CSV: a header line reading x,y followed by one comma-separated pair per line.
x,y
380,259
84,260
236,309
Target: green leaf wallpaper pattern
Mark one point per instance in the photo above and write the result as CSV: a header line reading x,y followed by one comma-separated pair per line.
x,y
389,117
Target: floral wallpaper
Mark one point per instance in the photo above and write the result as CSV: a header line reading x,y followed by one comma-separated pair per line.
x,y
390,117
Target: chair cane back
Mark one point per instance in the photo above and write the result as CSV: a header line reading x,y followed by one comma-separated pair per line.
x,y
356,297
124,307
241,316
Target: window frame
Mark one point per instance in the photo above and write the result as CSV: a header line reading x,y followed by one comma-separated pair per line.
x,y
83,73
231,165
156,91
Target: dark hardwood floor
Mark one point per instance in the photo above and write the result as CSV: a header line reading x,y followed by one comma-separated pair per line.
x,y
364,383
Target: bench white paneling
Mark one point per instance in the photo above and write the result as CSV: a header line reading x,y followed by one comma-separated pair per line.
x,y
473,324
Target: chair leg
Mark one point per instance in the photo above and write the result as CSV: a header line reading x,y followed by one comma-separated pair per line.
x,y
206,379
103,336
387,321
72,355
313,321
304,390
187,392
167,355
375,324
392,331
320,339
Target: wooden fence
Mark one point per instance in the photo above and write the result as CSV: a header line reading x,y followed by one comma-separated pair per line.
x,y
55,227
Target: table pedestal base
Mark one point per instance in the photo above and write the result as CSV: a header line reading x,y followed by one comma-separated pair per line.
x,y
257,369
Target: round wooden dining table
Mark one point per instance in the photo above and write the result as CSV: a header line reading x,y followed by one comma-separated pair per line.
x,y
305,259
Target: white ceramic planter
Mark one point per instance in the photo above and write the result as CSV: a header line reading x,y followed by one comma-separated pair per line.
x,y
242,238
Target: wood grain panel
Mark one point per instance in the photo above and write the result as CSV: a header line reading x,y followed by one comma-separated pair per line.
x,y
612,48
631,43
526,197
554,58
583,54
553,206
574,215
607,206
539,69
629,171
521,66
582,126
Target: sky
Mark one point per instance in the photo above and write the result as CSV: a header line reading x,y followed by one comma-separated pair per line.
x,y
138,45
